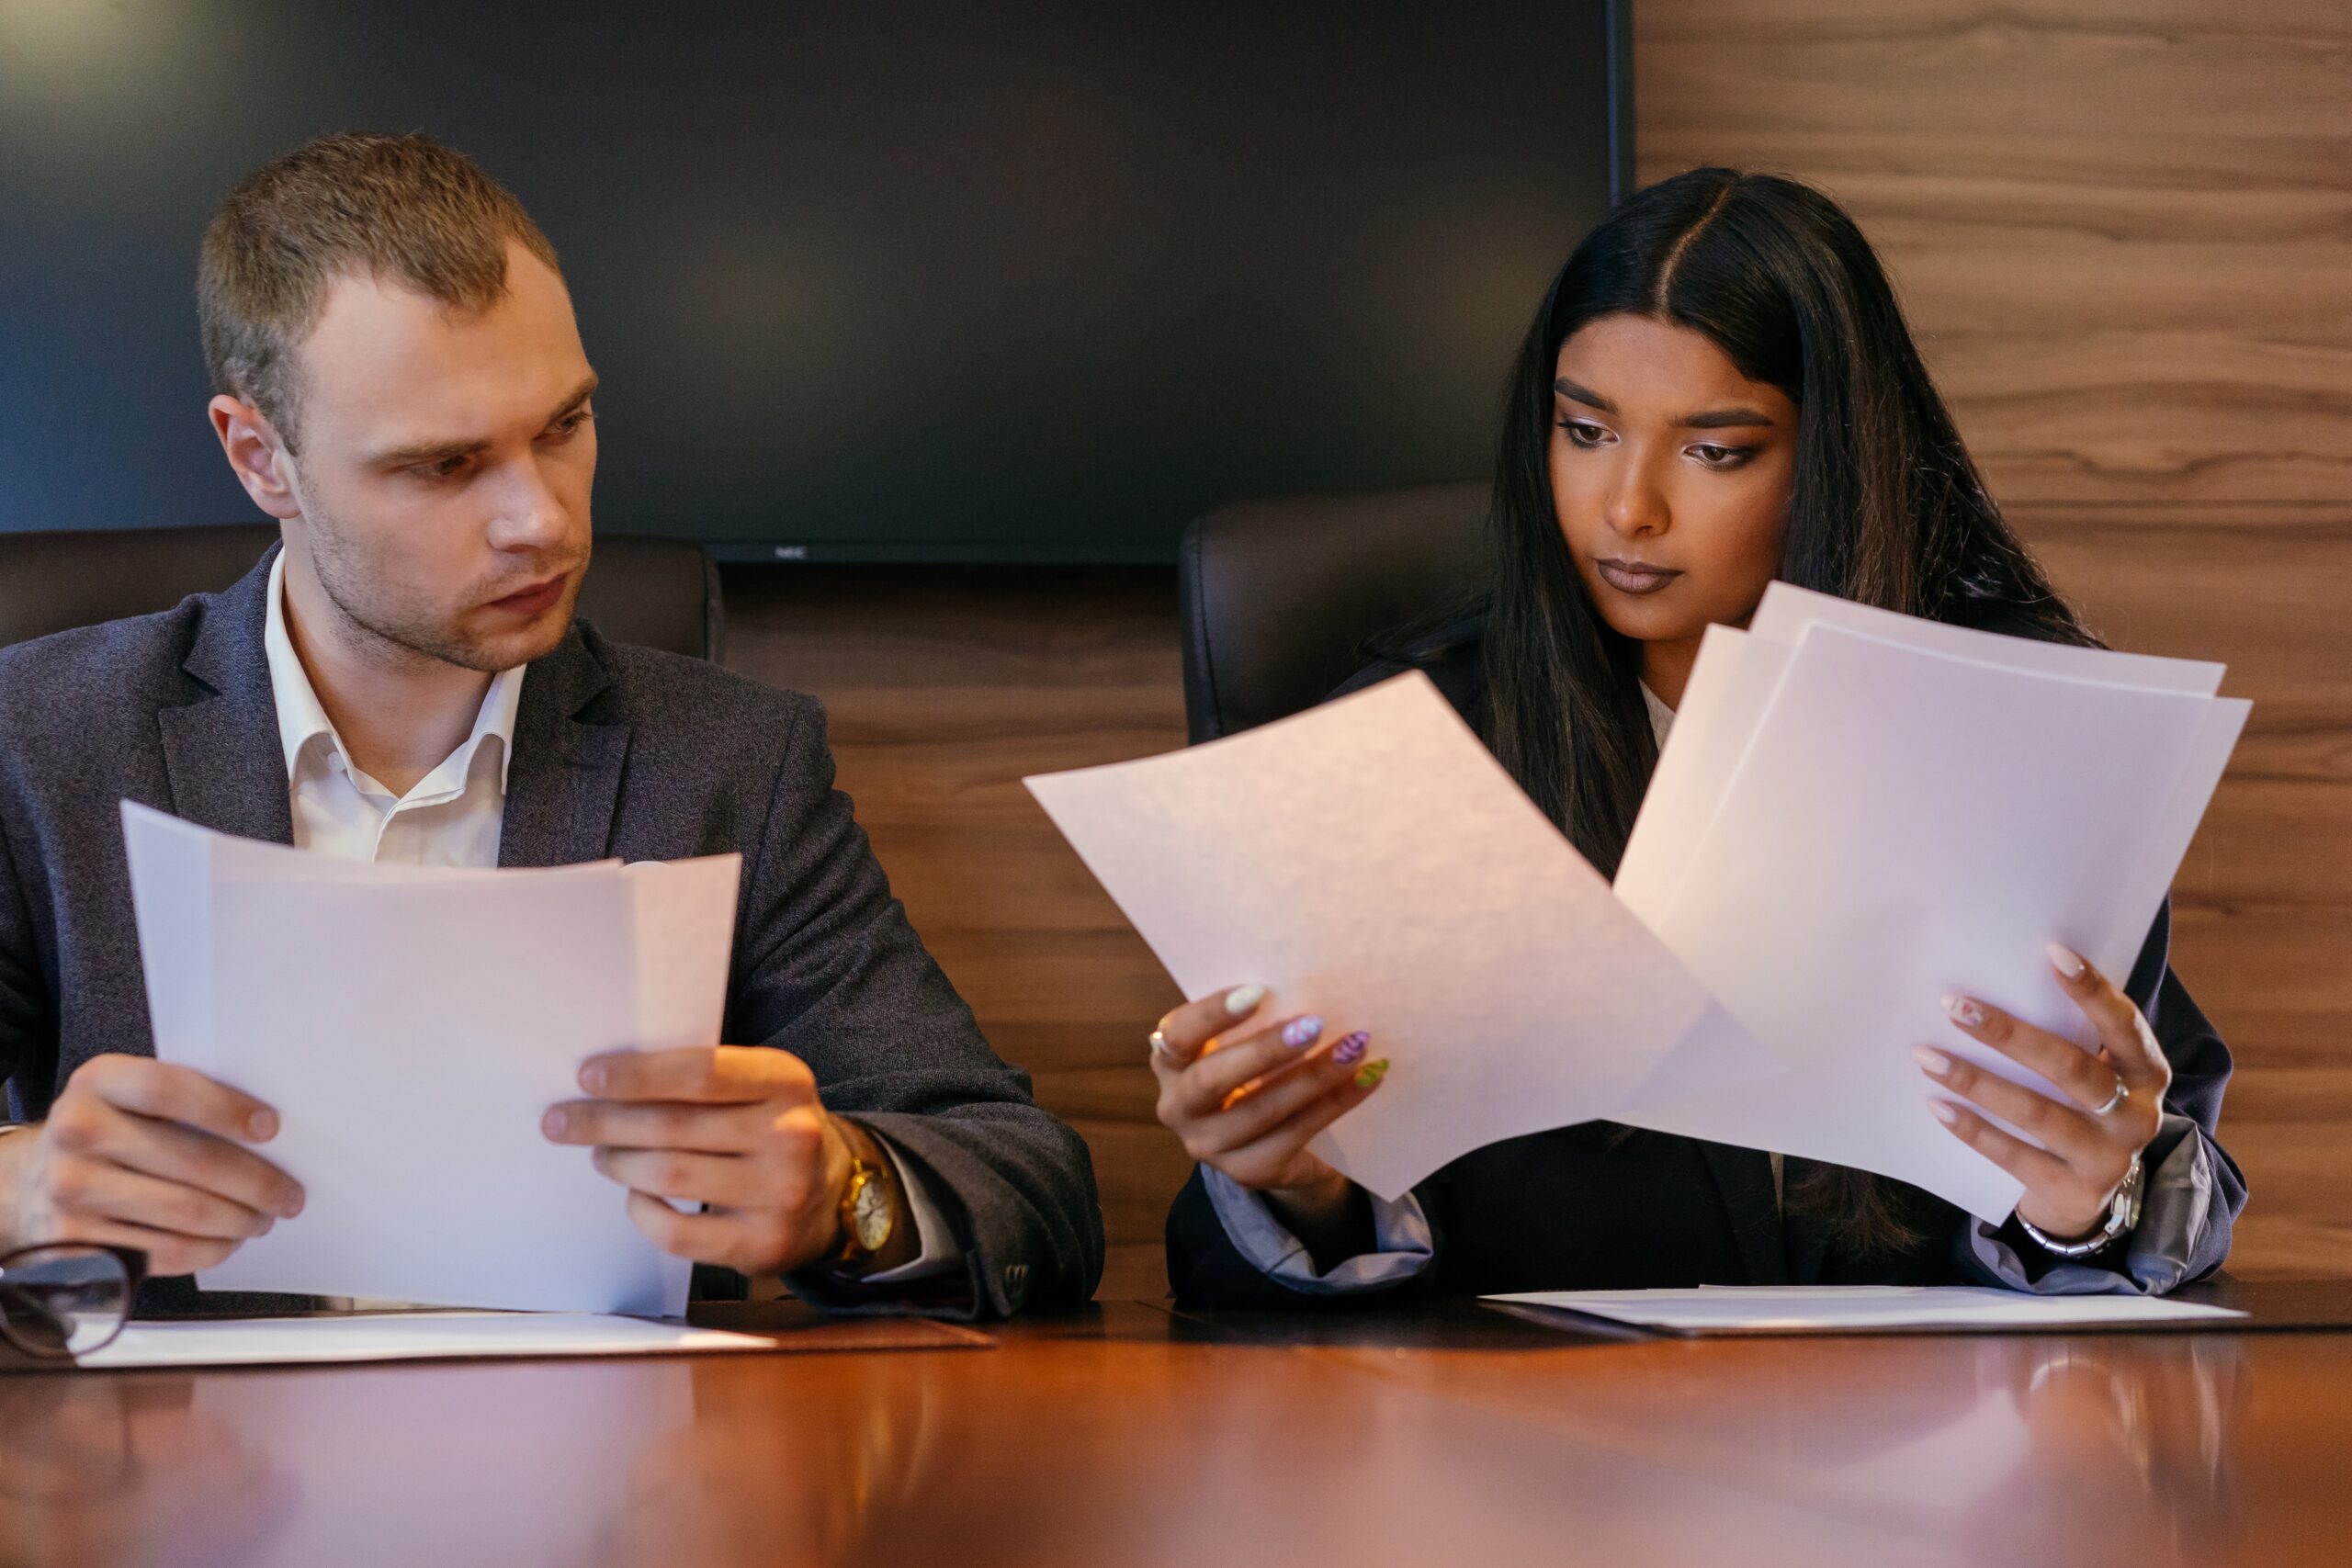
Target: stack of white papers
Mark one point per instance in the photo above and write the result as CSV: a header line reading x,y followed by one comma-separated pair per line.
x,y
1370,861
1868,1309
410,1026
403,1336
1856,814
1859,814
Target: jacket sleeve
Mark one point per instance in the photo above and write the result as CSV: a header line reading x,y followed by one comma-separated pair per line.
x,y
2195,1190
1209,1267
827,967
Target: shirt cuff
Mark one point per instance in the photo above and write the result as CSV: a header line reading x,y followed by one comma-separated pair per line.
x,y
940,1254
1402,1243
2158,1254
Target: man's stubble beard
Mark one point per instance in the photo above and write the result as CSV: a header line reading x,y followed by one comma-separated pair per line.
x,y
395,634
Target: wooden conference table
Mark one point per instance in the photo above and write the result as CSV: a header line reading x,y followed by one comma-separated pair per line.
x,y
1137,1433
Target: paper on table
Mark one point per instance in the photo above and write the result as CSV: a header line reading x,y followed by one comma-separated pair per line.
x,y
1865,1309
400,1336
1369,859
410,1025
1906,825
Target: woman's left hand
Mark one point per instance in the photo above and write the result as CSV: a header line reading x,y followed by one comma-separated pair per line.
x,y
2114,1098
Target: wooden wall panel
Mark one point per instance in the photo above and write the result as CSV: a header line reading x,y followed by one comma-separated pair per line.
x,y
2123,230
2123,227
945,686
2263,905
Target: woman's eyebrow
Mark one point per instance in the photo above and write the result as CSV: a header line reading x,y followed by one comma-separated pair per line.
x,y
1726,419
1576,392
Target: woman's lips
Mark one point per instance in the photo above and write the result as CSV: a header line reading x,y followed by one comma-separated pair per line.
x,y
1635,577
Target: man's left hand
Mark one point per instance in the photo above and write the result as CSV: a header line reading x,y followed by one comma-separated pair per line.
x,y
736,1128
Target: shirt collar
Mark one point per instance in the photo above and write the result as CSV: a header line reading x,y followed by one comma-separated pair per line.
x,y
302,718
1661,715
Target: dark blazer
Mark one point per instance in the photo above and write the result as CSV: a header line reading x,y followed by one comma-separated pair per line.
x,y
1604,1207
619,751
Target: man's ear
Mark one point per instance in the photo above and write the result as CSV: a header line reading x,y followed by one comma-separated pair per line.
x,y
256,455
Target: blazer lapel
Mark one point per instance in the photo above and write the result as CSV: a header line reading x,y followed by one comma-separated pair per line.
x,y
563,782
221,751
1745,1179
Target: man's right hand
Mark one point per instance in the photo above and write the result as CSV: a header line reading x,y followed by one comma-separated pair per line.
x,y
145,1154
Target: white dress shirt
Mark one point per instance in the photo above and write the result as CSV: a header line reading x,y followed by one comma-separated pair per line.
x,y
453,817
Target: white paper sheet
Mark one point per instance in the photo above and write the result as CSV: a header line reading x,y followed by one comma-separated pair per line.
x,y
1787,610
401,1336
410,1026
1867,1309
1369,859
1902,824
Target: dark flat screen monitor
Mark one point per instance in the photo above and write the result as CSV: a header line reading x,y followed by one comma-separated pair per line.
x,y
917,280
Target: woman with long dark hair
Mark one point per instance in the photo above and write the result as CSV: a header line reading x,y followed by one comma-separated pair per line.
x,y
1718,391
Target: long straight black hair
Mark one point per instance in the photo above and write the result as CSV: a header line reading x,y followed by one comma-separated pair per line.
x,y
1885,507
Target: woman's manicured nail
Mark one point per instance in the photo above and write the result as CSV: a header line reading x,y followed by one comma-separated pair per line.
x,y
1301,1031
2066,961
262,1125
1935,1063
1964,1011
592,1078
1241,999
552,1124
1348,1051
1371,1073
1947,1114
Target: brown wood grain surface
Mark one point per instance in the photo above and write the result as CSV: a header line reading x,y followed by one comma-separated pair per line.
x,y
1133,1436
2121,228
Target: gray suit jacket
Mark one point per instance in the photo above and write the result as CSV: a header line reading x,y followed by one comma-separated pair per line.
x,y
618,751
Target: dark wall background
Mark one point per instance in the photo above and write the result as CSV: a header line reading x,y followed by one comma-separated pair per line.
x,y
1015,281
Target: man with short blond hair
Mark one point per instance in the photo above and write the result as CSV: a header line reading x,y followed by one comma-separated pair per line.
x,y
399,381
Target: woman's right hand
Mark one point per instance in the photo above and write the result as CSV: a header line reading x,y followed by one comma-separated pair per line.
x,y
1247,1094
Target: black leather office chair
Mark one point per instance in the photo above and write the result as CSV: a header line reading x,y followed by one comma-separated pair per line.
x,y
658,592
1278,597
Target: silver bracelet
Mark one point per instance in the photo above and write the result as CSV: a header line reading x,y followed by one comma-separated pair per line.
x,y
2122,1215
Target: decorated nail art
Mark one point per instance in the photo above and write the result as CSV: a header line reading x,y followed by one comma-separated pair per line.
x,y
1301,1031
2066,961
1241,999
1348,1051
1964,1011
1372,1073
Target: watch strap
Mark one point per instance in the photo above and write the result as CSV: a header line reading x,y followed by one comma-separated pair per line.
x,y
2123,1216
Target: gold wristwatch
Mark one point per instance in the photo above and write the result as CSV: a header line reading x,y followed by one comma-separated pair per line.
x,y
870,1202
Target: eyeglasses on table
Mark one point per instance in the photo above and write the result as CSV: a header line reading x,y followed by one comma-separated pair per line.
x,y
64,1300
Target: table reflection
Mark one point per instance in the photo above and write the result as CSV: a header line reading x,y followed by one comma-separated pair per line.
x,y
2020,1437
575,1462
2084,1449
1997,1445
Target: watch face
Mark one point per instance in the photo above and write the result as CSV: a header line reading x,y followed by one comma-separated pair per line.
x,y
870,1212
